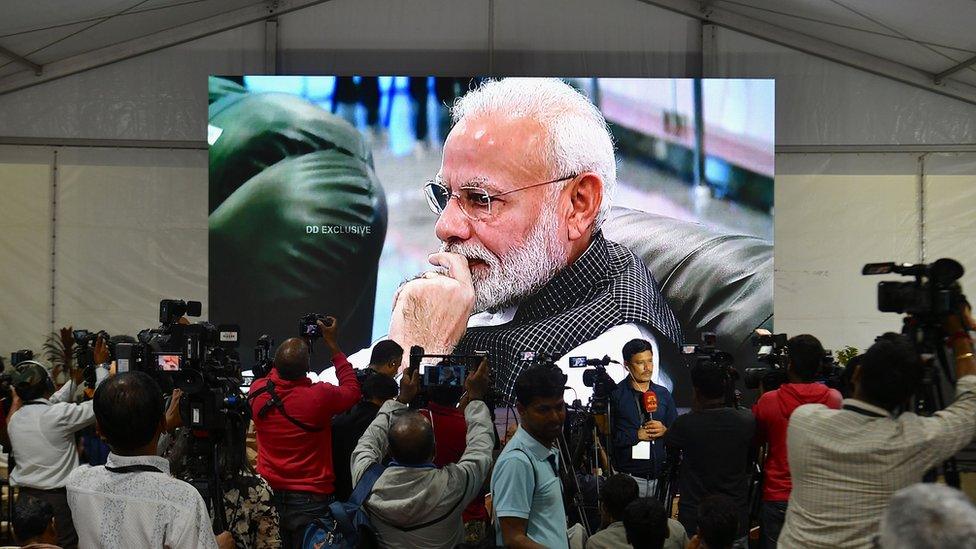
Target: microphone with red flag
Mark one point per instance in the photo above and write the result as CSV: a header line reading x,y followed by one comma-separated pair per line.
x,y
650,402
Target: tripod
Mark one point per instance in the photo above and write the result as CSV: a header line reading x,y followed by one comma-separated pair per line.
x,y
203,473
926,336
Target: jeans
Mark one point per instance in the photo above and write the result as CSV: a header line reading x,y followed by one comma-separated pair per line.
x,y
295,511
646,487
771,518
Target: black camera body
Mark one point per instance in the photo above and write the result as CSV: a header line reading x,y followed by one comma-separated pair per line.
x,y
773,355
308,326
85,352
263,357
200,359
22,355
934,293
707,353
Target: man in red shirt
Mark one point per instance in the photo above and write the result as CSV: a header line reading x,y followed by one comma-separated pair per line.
x,y
450,432
293,419
772,411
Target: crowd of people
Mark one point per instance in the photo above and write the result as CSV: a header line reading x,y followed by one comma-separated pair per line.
x,y
835,472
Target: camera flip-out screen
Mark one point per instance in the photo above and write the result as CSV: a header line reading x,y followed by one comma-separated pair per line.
x,y
169,362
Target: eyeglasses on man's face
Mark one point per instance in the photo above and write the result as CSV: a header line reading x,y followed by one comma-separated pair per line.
x,y
475,202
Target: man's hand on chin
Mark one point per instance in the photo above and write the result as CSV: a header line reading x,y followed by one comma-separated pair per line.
x,y
432,311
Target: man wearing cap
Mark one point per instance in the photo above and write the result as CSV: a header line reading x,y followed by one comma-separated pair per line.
x,y
42,425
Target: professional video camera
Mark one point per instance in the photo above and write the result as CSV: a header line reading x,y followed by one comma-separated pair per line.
x,y
708,354
926,301
201,360
935,292
773,355
597,378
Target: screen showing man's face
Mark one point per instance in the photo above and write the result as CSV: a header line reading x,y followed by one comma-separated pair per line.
x,y
518,248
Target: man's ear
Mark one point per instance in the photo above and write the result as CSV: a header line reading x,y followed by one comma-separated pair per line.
x,y
98,431
585,198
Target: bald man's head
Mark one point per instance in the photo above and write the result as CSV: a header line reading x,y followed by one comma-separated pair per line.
x,y
291,358
411,439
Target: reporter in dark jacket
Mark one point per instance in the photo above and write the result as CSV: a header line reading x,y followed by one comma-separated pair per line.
x,y
641,412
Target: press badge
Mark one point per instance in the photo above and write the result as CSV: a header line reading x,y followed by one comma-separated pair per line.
x,y
641,450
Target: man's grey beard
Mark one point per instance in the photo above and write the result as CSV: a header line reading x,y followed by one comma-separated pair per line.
x,y
522,271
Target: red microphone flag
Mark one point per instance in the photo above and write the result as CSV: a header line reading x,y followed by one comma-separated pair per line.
x,y
650,402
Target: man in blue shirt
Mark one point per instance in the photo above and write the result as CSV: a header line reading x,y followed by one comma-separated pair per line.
x,y
641,412
526,491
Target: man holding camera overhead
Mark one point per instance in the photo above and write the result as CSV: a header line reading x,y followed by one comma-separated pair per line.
x,y
847,463
641,412
293,419
42,425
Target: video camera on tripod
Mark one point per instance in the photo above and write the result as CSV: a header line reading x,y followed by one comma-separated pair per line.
x,y
707,353
774,355
596,378
200,359
927,302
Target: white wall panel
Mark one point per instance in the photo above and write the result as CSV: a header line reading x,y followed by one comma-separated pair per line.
x,y
950,212
833,215
25,247
132,229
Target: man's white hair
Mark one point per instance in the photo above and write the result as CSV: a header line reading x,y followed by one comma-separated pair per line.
x,y
578,139
929,516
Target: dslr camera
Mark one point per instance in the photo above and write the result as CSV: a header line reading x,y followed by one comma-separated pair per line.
x,y
85,352
308,326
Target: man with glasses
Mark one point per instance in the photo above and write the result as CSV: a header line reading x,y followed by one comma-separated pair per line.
x,y
525,184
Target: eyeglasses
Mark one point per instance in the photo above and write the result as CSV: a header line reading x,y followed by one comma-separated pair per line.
x,y
475,202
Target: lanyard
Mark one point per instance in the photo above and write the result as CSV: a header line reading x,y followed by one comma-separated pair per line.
x,y
139,467
862,411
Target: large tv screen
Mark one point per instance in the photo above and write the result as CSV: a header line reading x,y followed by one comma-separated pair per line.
x,y
585,212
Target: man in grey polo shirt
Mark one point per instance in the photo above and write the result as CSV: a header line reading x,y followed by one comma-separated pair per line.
x,y
526,492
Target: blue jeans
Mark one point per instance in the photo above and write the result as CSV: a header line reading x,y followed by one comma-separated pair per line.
x,y
645,487
295,511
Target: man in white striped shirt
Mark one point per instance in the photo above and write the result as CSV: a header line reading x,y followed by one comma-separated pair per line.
x,y
847,463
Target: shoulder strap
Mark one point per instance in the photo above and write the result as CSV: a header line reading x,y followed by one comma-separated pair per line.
x,y
862,411
274,401
365,485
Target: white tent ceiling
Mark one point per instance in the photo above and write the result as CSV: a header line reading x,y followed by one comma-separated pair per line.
x,y
887,37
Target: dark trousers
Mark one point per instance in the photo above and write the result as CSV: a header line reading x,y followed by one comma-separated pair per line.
x,y
58,498
771,518
295,511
